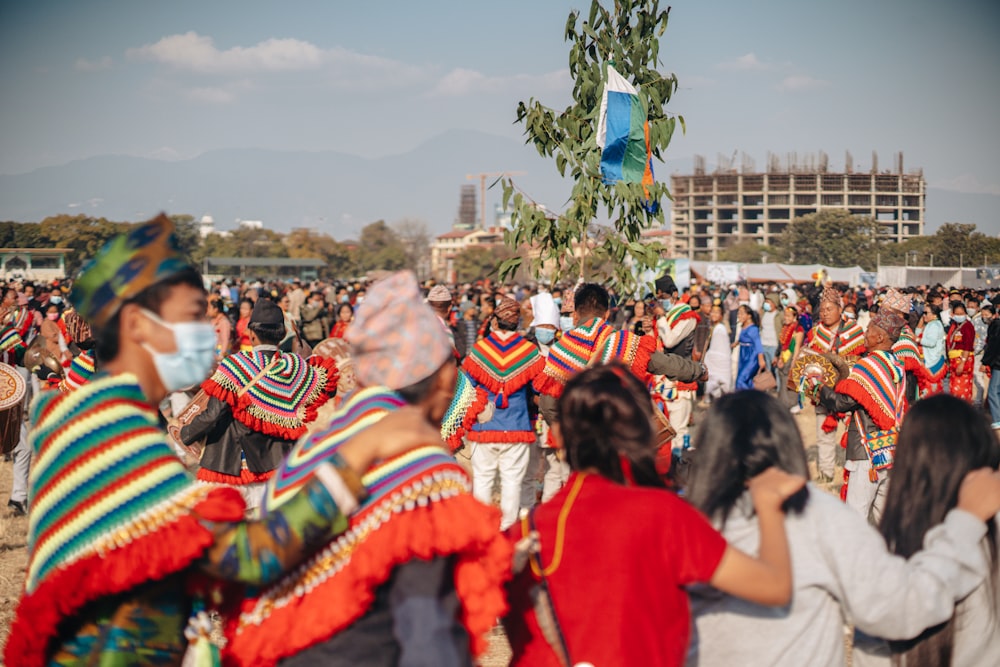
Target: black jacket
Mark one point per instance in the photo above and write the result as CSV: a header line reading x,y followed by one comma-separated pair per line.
x,y
991,352
836,402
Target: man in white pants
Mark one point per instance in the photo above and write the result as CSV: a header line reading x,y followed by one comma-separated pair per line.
x,y
874,395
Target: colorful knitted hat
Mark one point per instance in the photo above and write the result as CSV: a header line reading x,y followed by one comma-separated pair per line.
x,y
831,295
897,301
439,294
128,264
396,339
507,311
888,321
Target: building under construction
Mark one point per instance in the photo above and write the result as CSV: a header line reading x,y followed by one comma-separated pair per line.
x,y
712,211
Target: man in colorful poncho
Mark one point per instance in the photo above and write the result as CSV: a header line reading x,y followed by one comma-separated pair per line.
x,y
592,341
906,349
834,334
416,579
873,393
676,324
120,537
503,363
260,403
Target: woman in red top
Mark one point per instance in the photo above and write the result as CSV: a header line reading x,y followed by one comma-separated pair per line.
x,y
959,344
615,549
345,314
242,332
222,326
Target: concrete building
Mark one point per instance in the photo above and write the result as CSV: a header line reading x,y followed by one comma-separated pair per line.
x,y
712,211
44,264
447,246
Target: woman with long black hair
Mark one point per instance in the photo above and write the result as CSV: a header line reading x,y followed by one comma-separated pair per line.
x,y
944,440
841,566
617,549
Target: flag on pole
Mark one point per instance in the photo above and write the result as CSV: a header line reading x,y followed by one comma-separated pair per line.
x,y
623,134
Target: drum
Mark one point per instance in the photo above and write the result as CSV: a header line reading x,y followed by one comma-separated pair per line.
x,y
12,392
189,454
809,365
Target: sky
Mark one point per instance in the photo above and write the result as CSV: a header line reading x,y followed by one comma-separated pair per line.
x,y
172,80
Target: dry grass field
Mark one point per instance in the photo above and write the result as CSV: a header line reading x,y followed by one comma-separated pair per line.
x,y
13,548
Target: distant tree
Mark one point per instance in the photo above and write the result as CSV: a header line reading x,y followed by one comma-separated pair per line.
x,y
416,240
833,237
188,236
340,261
478,262
751,252
83,234
627,35
380,248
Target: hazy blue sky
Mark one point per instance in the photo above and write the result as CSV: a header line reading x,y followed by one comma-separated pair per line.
x,y
174,79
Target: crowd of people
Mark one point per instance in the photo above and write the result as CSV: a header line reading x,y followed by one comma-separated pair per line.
x,y
377,473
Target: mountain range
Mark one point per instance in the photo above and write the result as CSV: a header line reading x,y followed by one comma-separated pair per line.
x,y
335,192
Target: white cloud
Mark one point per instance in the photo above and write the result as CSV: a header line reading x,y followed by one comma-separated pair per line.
x,y
798,82
745,63
461,81
969,184
84,65
198,53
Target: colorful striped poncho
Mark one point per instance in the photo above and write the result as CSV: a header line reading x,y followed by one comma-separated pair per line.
x,y
283,400
112,507
849,342
630,349
420,506
876,382
503,366
463,411
907,351
679,313
571,354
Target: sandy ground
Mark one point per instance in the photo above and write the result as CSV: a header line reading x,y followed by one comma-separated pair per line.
x,y
13,546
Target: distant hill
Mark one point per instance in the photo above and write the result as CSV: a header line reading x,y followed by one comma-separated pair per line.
x,y
335,192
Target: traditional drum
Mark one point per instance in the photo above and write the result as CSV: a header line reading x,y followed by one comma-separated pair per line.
x,y
808,365
190,454
12,392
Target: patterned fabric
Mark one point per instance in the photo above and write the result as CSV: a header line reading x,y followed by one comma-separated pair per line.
x,y
128,264
850,341
11,341
112,507
632,350
960,383
396,338
907,351
876,382
419,506
283,400
897,301
466,405
679,313
80,370
571,354
439,294
888,321
503,366
507,310
830,295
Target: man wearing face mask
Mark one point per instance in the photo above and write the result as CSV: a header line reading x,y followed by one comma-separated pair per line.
x,y
260,403
120,536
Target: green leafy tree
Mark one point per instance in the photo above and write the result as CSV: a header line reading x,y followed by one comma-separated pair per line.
x,y
627,36
186,232
751,252
341,261
833,237
83,234
478,262
380,248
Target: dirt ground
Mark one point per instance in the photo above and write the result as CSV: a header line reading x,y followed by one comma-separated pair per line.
x,y
13,546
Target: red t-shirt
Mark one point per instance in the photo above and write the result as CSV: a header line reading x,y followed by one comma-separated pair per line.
x,y
618,590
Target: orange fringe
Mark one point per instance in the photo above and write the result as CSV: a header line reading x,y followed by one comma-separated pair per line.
x,y
245,477
506,387
471,417
874,409
168,550
513,437
459,526
548,385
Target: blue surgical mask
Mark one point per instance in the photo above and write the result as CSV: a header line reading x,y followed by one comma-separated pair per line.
x,y
784,301
558,302
958,318
666,304
545,336
566,322
55,299
768,307
194,358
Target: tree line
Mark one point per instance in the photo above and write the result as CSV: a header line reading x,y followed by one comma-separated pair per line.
x,y
837,238
404,244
